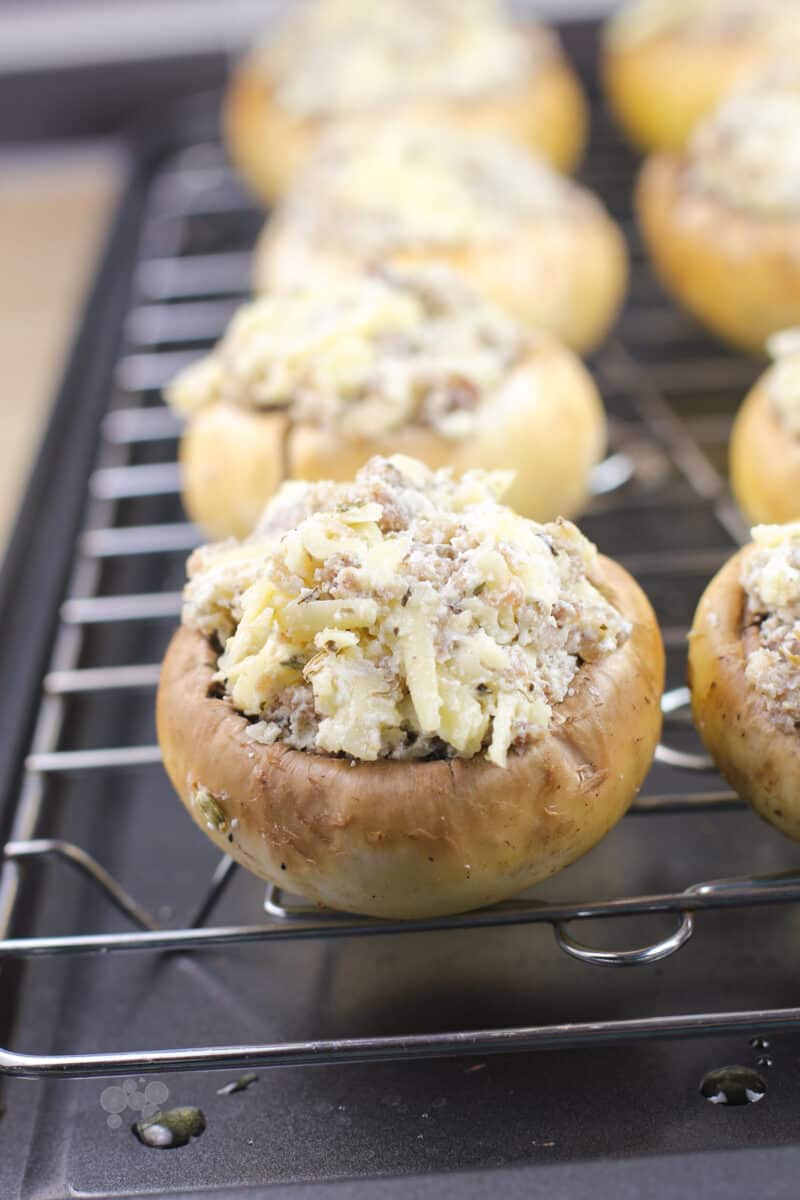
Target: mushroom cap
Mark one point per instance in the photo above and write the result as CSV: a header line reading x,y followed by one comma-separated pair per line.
x,y
659,88
737,272
270,146
759,760
764,462
415,839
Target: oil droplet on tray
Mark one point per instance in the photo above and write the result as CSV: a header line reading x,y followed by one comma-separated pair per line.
x,y
733,1086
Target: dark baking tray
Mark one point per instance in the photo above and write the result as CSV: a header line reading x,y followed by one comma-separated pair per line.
x,y
626,1120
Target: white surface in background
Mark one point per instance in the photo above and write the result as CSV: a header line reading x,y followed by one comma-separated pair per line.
x,y
54,205
53,34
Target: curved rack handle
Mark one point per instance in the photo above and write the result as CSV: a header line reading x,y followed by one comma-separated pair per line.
x,y
626,958
611,474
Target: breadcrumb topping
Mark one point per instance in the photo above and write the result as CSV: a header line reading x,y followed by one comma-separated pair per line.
x,y
771,581
363,355
782,380
411,183
747,152
641,21
406,615
345,56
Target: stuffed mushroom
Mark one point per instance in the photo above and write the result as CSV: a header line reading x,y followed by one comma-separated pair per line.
x,y
667,63
722,220
765,441
461,62
398,697
412,194
311,385
744,665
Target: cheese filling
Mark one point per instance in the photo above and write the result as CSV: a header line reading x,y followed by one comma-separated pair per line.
x,y
411,184
747,153
782,380
332,57
362,356
641,21
406,615
771,581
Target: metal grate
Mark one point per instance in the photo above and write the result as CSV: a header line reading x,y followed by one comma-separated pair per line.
x,y
660,506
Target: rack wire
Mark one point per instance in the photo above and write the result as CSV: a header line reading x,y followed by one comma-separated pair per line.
x,y
664,455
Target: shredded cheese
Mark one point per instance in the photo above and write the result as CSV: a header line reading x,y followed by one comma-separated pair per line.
x,y
331,57
362,356
408,614
747,152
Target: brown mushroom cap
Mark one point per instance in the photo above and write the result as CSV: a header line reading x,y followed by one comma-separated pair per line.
x,y
737,272
764,461
759,760
418,839
270,146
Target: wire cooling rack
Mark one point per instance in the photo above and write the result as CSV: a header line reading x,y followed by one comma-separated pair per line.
x,y
660,505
